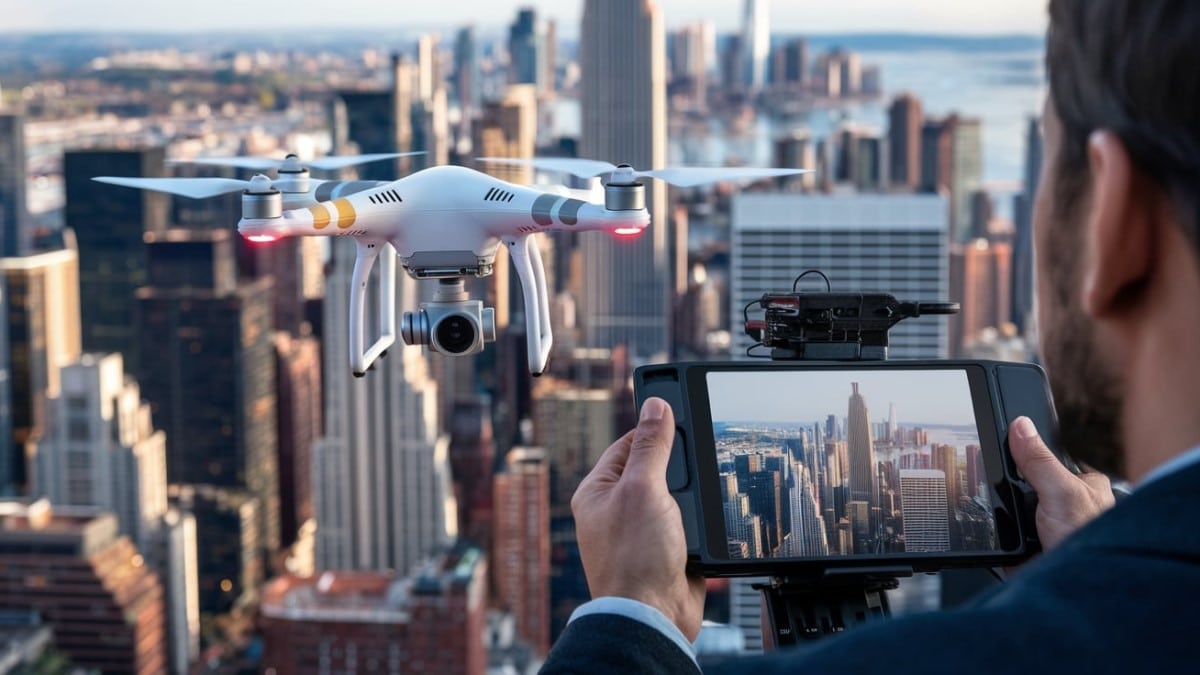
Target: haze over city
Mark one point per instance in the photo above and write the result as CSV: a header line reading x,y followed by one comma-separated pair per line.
x,y
990,17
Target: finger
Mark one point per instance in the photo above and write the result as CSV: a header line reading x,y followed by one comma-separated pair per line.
x,y
607,471
1047,475
611,464
652,440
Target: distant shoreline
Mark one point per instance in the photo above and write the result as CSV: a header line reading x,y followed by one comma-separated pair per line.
x,y
858,41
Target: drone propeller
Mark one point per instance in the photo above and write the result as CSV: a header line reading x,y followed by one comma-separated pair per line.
x,y
681,176
292,163
196,188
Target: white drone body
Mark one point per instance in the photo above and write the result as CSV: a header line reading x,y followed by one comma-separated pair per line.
x,y
444,223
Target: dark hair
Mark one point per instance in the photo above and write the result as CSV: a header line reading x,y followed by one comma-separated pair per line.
x,y
1132,67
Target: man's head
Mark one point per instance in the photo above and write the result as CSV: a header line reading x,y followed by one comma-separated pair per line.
x,y
1121,163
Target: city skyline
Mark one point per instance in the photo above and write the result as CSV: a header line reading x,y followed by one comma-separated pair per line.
x,y
393,470
948,16
749,396
850,488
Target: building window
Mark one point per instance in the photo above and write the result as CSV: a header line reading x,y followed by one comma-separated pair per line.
x,y
78,460
78,429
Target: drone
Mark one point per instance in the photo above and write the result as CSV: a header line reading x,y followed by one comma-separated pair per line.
x,y
442,223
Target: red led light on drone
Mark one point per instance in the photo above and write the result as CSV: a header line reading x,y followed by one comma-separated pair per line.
x,y
261,238
627,231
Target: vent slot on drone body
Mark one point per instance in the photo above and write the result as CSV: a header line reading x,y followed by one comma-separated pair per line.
x,y
498,195
385,197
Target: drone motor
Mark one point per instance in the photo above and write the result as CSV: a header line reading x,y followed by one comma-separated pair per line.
x,y
261,200
623,192
293,176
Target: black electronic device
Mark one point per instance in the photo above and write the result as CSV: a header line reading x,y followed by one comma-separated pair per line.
x,y
832,516
792,444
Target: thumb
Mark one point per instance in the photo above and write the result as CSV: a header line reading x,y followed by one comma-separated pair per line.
x,y
1041,468
652,441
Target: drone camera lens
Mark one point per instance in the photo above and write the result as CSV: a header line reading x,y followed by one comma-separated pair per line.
x,y
456,334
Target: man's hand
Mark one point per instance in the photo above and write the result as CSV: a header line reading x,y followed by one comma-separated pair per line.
x,y
1066,501
630,532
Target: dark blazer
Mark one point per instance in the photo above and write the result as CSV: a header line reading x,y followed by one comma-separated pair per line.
x,y
1120,596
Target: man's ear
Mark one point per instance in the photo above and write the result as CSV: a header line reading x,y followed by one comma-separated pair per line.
x,y
1118,228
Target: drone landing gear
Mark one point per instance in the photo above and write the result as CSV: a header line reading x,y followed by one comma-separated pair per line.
x,y
361,359
528,260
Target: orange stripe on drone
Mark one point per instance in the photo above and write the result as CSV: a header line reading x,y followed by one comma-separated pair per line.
x,y
320,216
345,211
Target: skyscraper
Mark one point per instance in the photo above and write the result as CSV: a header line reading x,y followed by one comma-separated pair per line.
x,y
790,65
383,468
521,544
550,57
975,472
756,43
966,174
892,425
176,553
468,87
923,502
377,121
508,128
14,234
110,223
208,368
807,536
300,423
89,583
574,425
893,243
43,336
429,70
690,62
945,459
864,485
472,456
8,453
230,565
980,274
869,172
626,284
101,449
937,145
525,49
1022,278
904,141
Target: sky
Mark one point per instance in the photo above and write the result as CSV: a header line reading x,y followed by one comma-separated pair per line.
x,y
922,396
787,16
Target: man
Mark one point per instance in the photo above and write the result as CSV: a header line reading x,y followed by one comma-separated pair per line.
x,y
1117,230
